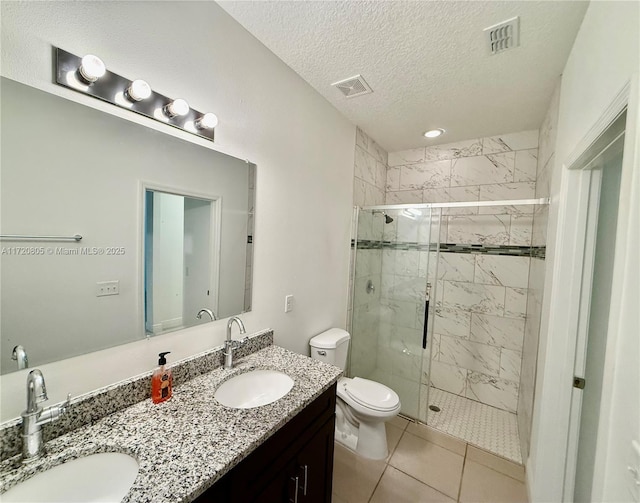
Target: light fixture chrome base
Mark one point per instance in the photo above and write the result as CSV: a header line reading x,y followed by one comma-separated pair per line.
x,y
112,88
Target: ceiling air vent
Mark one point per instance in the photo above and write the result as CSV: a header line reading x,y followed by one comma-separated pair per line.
x,y
503,36
353,86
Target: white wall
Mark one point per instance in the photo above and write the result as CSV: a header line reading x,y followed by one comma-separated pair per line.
x,y
302,146
198,288
604,58
168,260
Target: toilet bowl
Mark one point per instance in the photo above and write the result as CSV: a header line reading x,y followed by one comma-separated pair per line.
x,y
362,405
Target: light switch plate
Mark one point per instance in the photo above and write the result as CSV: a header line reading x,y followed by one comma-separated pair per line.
x,y
288,303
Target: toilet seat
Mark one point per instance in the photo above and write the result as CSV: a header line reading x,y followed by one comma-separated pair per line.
x,y
369,394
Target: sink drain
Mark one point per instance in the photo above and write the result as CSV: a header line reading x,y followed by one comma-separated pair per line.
x,y
434,408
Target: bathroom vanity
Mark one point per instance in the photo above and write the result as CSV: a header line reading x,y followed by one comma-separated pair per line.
x,y
295,464
192,448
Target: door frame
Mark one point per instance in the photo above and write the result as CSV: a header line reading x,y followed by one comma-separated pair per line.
x,y
595,169
568,319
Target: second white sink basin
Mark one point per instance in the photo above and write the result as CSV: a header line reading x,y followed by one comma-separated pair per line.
x,y
99,477
253,389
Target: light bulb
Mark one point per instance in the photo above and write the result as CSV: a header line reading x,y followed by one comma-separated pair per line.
x,y
177,108
207,121
434,133
91,68
138,90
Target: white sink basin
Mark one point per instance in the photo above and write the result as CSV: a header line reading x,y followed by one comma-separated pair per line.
x,y
253,389
97,478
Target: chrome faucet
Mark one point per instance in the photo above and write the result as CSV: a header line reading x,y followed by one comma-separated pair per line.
x,y
211,314
20,355
34,417
230,345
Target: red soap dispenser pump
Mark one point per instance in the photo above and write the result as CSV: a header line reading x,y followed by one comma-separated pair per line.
x,y
161,381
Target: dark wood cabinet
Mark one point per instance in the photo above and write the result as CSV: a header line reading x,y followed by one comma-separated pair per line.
x,y
294,465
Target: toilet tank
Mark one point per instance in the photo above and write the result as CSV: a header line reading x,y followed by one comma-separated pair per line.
x,y
331,346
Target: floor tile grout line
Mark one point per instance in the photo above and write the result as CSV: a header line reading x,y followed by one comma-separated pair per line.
x,y
464,464
454,438
378,483
440,445
396,446
418,480
497,471
483,449
463,456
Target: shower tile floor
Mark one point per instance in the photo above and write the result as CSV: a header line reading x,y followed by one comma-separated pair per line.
x,y
487,427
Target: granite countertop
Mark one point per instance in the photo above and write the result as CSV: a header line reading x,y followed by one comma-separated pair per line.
x,y
186,444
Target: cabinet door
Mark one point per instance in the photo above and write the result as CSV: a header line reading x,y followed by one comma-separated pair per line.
x,y
282,488
298,456
315,466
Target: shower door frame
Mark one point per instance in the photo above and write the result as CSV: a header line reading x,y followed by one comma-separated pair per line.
x,y
431,206
432,292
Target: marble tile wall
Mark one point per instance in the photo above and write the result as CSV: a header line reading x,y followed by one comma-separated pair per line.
x,y
479,327
481,300
483,169
544,170
370,173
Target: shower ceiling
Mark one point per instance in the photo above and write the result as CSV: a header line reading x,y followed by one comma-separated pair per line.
x,y
426,61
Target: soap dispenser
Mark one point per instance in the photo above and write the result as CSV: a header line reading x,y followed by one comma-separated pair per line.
x,y
161,381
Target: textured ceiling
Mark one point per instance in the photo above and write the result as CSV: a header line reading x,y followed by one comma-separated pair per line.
x,y
425,60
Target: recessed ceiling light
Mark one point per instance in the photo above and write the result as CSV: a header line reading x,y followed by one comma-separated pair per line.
x,y
434,133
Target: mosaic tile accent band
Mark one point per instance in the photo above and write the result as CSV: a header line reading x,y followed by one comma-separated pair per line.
x,y
513,250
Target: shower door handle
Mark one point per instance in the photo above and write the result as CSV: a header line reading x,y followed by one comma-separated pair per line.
x,y
426,316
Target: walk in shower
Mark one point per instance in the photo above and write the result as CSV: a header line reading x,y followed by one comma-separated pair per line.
x,y
439,308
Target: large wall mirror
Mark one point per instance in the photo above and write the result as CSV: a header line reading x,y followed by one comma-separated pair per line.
x,y
166,226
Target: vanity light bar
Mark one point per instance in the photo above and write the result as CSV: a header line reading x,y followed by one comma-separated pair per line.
x,y
89,76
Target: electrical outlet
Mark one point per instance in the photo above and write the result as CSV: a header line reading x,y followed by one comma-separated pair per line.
x,y
104,288
288,303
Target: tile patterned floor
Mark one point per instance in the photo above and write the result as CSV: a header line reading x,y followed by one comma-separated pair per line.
x,y
424,466
491,429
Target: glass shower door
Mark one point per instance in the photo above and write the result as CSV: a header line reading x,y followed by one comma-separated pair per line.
x,y
393,303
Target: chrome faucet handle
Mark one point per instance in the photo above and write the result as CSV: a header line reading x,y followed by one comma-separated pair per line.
x,y
241,342
54,412
65,405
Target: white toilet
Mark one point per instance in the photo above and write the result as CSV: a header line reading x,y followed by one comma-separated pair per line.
x,y
362,406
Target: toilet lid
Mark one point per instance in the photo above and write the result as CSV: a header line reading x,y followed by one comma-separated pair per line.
x,y
372,394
